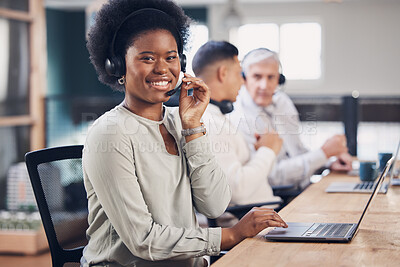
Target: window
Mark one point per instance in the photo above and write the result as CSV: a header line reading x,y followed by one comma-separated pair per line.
x,y
251,36
298,45
199,36
14,68
300,50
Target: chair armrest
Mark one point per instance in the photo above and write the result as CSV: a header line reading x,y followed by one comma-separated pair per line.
x,y
248,207
283,187
76,252
285,191
240,210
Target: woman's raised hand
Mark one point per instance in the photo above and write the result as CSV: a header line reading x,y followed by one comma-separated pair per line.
x,y
191,108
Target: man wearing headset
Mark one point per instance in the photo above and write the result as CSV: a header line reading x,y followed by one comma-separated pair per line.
x,y
217,64
260,108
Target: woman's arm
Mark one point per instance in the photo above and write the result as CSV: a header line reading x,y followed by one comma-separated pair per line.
x,y
210,189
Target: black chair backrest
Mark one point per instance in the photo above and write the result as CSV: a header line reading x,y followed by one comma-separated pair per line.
x,y
57,181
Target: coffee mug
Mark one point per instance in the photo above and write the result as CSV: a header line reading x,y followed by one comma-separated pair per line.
x,y
368,171
383,158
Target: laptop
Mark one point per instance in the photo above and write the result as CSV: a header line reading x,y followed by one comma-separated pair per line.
x,y
363,187
325,232
394,181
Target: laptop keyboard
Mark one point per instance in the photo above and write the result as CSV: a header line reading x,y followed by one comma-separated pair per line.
x,y
329,230
364,186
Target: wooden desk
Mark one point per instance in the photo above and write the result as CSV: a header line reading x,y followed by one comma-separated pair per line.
x,y
41,260
377,242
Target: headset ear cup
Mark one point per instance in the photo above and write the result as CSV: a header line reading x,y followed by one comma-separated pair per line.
x,y
182,59
119,67
282,79
115,66
225,106
110,67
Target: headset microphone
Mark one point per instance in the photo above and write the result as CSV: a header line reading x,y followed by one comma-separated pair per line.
x,y
177,86
182,59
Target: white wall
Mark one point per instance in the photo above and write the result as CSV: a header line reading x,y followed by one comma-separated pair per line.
x,y
361,42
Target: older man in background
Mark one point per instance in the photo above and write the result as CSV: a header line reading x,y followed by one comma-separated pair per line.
x,y
261,107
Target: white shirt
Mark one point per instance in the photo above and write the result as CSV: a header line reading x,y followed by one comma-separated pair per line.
x,y
247,174
142,199
295,163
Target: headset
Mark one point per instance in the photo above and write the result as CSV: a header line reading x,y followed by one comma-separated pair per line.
x,y
282,78
225,106
115,65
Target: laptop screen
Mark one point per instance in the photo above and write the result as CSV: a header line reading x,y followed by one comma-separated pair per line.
x,y
376,189
395,158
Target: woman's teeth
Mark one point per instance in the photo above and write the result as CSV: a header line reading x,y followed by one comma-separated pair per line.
x,y
163,83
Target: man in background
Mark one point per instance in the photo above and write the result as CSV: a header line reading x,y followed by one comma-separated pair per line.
x,y
260,108
217,64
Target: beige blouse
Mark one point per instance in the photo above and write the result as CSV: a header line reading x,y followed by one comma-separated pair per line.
x,y
142,199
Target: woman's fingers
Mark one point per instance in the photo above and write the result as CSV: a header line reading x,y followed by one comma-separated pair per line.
x,y
255,221
272,223
196,85
270,216
191,107
194,82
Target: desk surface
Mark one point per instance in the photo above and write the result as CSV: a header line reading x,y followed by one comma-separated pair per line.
x,y
41,260
377,242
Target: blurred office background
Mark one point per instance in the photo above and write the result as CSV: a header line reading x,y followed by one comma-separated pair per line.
x,y
341,59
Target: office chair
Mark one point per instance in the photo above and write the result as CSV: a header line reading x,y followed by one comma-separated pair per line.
x,y
286,192
57,181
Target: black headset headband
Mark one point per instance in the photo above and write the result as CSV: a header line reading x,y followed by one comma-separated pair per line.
x,y
138,12
115,65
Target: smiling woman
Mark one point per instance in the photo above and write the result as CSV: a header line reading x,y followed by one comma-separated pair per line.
x,y
158,167
153,69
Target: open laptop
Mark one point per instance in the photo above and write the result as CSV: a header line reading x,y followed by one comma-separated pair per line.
x,y
363,187
394,181
325,232
360,187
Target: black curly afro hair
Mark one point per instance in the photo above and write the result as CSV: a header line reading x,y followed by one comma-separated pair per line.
x,y
108,20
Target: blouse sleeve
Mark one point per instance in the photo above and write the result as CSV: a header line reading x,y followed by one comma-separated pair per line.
x,y
110,167
210,189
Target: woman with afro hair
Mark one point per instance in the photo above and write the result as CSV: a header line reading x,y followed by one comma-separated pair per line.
x,y
148,167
